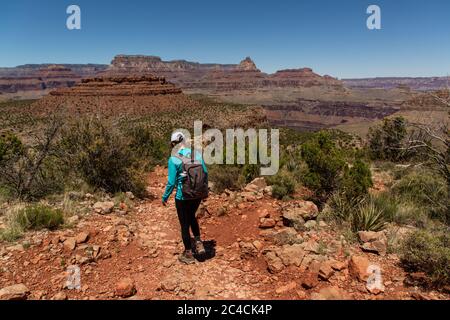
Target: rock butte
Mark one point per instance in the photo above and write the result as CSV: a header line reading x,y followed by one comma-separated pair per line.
x,y
116,95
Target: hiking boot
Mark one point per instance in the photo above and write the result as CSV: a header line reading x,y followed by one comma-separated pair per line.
x,y
199,248
186,257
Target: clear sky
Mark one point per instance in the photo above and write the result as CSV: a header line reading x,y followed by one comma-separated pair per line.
x,y
329,36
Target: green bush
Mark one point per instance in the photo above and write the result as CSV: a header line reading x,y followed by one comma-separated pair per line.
x,y
357,180
10,147
325,163
225,177
102,157
283,185
36,217
145,145
386,141
423,251
427,191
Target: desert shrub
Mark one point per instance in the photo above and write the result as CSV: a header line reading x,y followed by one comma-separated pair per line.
x,y
283,185
250,172
386,140
36,217
423,251
10,148
367,217
100,155
225,177
30,171
427,191
357,180
325,163
145,145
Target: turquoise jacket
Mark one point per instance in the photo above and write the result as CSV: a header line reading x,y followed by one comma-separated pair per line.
x,y
175,167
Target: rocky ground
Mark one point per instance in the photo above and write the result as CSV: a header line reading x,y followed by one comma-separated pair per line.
x,y
257,248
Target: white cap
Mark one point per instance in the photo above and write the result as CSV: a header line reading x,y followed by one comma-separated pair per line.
x,y
177,137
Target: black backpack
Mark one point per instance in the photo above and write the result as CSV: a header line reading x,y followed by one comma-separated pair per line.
x,y
195,182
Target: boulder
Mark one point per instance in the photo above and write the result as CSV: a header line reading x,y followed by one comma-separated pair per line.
x,y
375,242
125,288
310,280
14,292
274,263
257,185
267,223
378,247
369,236
291,254
104,207
82,237
70,244
359,267
326,271
296,214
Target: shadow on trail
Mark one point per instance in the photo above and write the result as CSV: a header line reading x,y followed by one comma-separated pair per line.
x,y
210,248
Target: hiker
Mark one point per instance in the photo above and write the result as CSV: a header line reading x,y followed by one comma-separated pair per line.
x,y
188,174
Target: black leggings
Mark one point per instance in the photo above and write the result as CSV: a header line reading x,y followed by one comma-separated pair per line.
x,y
186,214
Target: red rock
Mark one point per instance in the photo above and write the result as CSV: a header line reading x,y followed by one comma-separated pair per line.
x,y
358,267
326,271
310,280
82,237
286,288
125,288
330,293
266,223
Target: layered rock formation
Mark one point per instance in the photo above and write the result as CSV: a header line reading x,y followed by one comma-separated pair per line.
x,y
421,84
120,86
116,96
46,78
217,77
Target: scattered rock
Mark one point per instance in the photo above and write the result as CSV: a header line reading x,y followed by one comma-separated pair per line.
x,y
82,237
14,292
266,223
329,293
291,254
310,280
286,288
274,263
104,207
256,185
60,296
326,271
307,210
312,246
125,288
375,242
70,244
358,267
378,247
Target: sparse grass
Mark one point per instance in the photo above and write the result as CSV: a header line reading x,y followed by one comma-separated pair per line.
x,y
426,191
37,216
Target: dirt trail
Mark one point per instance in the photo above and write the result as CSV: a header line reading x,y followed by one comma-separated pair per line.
x,y
144,244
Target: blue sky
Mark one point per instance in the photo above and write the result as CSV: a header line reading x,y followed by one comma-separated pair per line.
x,y
327,35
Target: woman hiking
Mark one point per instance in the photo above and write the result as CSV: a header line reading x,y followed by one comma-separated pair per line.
x,y
187,173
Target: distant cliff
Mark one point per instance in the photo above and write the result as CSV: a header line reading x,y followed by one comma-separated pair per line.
x,y
420,84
